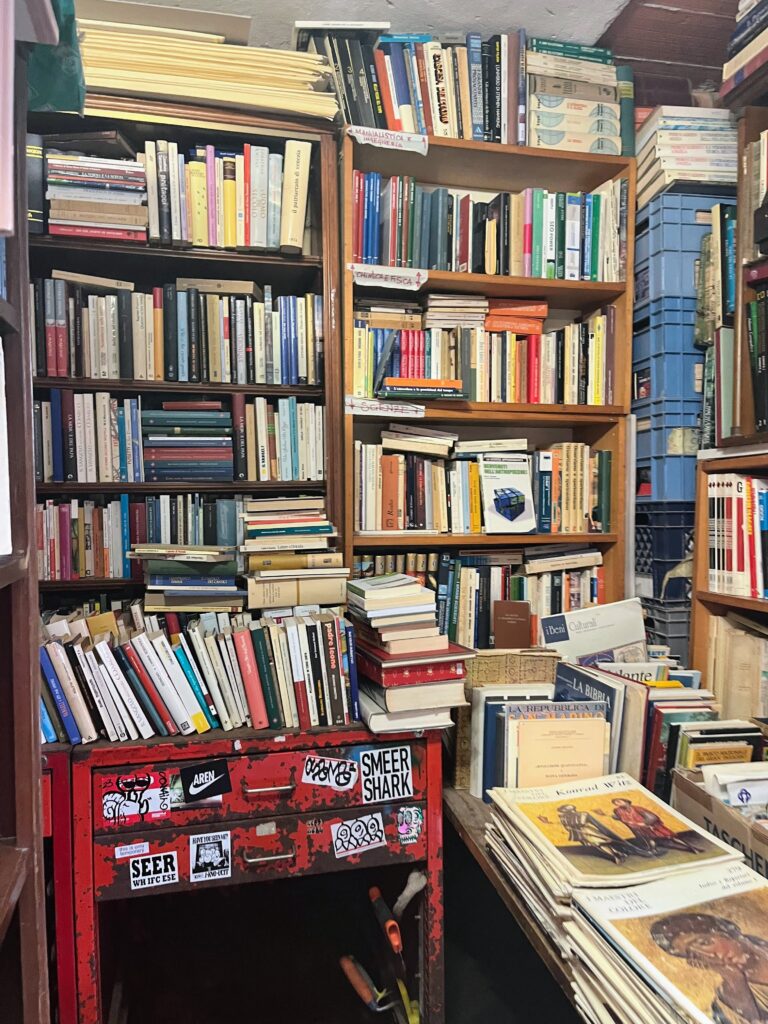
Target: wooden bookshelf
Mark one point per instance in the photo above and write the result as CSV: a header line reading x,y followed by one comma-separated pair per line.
x,y
150,265
23,947
475,165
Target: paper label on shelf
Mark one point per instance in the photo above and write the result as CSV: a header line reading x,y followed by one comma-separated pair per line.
x,y
371,407
389,140
403,278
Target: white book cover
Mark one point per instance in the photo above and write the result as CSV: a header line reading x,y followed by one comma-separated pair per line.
x,y
129,726
91,668
180,682
599,633
97,693
138,328
211,679
229,656
150,165
130,700
71,690
165,687
259,186
507,494
214,655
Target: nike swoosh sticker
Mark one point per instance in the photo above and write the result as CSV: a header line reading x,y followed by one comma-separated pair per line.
x,y
194,789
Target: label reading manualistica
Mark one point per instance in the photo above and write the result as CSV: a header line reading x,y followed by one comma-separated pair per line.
x,y
389,140
156,869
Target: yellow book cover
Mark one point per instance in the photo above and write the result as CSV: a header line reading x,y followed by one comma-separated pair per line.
x,y
718,753
157,333
214,344
293,210
229,190
250,440
475,503
309,320
599,366
198,203
360,362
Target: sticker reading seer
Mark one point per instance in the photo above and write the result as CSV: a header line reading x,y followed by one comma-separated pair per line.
x,y
156,869
386,774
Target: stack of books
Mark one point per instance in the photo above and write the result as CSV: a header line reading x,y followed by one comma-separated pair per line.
x,y
691,145
571,236
96,197
630,892
187,441
409,677
189,578
288,544
130,674
207,331
748,46
417,478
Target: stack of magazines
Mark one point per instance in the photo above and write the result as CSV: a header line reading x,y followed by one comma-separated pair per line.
x,y
658,920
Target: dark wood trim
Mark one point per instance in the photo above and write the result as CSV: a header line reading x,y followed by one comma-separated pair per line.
x,y
184,487
172,387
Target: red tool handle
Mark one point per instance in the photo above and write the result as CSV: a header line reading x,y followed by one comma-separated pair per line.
x,y
389,925
359,981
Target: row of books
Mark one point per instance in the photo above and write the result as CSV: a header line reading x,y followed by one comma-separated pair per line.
x,y
197,330
574,365
756,182
250,198
81,539
747,47
737,533
504,89
716,283
121,677
413,481
737,649
95,438
757,341
572,236
685,144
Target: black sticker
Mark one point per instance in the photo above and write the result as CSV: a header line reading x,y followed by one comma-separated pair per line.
x,y
204,780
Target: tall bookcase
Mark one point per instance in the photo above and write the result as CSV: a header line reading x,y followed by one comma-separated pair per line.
x,y
475,165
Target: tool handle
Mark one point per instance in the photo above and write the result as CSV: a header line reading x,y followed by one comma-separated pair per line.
x,y
388,924
359,981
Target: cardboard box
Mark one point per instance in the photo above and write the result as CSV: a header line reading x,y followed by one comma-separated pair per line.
x,y
720,820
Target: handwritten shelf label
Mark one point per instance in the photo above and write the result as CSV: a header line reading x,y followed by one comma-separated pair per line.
x,y
370,407
389,140
403,278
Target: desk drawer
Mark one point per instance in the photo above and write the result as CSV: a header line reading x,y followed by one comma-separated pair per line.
x,y
172,860
280,782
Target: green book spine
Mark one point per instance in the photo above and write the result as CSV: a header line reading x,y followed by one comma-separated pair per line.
x,y
411,219
596,54
267,681
595,257
604,489
455,598
625,84
538,232
560,253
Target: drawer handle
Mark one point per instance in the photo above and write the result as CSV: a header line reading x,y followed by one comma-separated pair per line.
x,y
250,790
273,856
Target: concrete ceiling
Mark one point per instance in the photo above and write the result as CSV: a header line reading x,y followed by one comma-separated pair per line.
x,y
583,21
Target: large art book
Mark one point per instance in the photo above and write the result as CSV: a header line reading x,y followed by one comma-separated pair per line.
x,y
608,633
604,832
700,943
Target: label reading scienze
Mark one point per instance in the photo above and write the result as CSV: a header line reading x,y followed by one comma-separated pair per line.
x,y
386,774
210,856
155,869
204,780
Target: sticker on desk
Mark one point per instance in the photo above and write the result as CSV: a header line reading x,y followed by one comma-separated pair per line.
x,y
354,406
386,139
135,797
410,822
210,856
404,278
204,780
156,869
134,850
386,774
333,772
357,835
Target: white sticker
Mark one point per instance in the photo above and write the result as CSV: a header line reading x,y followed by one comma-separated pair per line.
x,y
156,869
371,407
267,828
134,850
386,774
210,856
410,822
388,139
356,835
404,278
332,772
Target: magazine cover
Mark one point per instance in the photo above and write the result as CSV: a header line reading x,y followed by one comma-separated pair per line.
x,y
602,831
600,633
701,939
507,494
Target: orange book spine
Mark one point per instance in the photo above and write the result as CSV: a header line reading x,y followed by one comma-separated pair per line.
x,y
556,493
516,324
157,322
420,382
251,680
518,307
390,479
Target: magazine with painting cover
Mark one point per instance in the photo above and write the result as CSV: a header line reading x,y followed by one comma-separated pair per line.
x,y
700,941
507,494
600,633
606,832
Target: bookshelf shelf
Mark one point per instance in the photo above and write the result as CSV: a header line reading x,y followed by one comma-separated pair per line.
x,y
185,487
503,412
12,568
13,874
9,318
90,583
170,387
415,538
749,604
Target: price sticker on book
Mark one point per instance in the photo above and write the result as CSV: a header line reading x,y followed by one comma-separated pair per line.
x,y
403,278
388,139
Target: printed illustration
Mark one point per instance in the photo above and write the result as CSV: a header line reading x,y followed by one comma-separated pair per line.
x,y
333,772
410,822
356,835
128,801
210,856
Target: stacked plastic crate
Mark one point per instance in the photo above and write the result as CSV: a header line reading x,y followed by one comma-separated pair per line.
x,y
667,401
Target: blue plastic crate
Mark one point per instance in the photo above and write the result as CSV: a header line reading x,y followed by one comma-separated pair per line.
x,y
652,409
665,329
667,477
670,618
671,434
672,376
663,540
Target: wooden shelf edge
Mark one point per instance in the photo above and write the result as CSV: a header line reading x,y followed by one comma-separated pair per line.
x,y
469,816
9,318
13,874
89,583
742,462
416,539
184,487
178,387
752,604
12,568
508,412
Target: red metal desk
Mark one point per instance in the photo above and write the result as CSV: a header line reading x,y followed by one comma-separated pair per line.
x,y
289,812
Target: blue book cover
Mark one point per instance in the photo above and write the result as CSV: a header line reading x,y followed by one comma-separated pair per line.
x,y
46,725
418,211
574,683
293,345
182,334
122,445
183,660
57,436
586,241
399,74
56,691
474,57
136,440
412,69
285,340
375,253
407,37
367,216
730,261
125,523
226,522
354,693
748,28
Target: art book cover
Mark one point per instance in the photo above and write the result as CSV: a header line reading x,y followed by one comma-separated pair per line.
x,y
701,940
507,494
600,633
603,830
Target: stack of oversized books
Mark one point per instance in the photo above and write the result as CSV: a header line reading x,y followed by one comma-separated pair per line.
x,y
410,673
96,197
656,919
747,50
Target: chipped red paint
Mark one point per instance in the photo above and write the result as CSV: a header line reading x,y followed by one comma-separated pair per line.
x,y
56,766
292,825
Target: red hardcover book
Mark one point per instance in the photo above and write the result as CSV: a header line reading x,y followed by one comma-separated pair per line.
x,y
409,675
465,230
420,354
189,454
205,406
108,234
50,330
516,324
518,307
254,694
238,438
172,624
137,517
150,689
247,194
424,88
391,110
65,550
